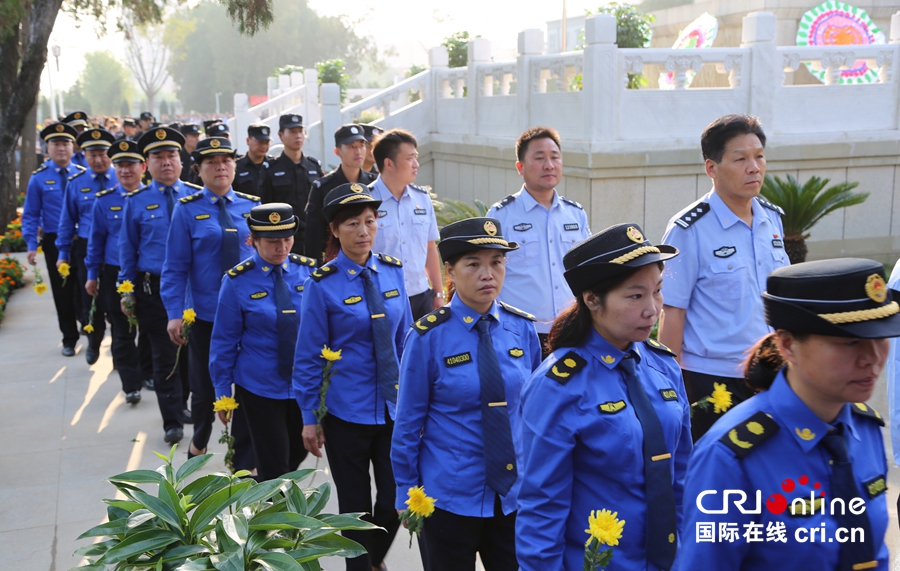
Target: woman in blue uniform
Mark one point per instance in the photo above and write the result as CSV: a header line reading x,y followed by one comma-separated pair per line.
x,y
458,430
606,424
254,336
356,304
808,453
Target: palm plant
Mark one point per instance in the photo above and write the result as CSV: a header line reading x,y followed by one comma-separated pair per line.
x,y
805,205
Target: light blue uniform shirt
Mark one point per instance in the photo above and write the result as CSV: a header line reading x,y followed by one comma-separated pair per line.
x,y
792,452
580,457
334,313
405,227
892,369
244,345
44,200
438,439
718,279
78,207
534,273
106,223
194,251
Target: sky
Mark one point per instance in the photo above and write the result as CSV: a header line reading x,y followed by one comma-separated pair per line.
x,y
411,29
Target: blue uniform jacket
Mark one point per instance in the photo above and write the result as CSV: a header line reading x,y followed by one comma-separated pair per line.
x,y
892,375
79,159
438,441
44,200
78,207
142,241
106,222
334,313
244,346
580,457
790,451
194,250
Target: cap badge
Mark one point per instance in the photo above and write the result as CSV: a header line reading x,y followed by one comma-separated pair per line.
x,y
353,130
295,118
215,143
356,187
95,135
161,134
490,228
78,115
265,131
60,128
876,289
123,146
634,235
274,218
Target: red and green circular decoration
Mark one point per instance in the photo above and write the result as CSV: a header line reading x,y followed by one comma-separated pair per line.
x,y
837,24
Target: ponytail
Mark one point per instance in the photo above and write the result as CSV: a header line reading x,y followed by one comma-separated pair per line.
x,y
762,364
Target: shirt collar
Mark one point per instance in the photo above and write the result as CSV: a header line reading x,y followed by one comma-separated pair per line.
x,y
95,174
468,316
214,198
805,427
727,218
529,202
347,266
385,192
266,268
605,352
176,186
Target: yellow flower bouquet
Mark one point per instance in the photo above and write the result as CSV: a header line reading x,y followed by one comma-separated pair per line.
x,y
420,507
126,292
39,286
226,405
720,399
64,271
605,528
188,317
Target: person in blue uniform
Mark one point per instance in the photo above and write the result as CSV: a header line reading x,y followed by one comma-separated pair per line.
x,y
42,208
355,304
75,226
78,120
142,250
102,262
371,132
809,444
458,429
208,236
258,311
606,424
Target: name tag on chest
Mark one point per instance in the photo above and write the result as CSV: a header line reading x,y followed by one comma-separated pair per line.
x,y
460,359
420,211
570,227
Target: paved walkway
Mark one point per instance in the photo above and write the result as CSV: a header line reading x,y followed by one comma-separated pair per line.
x,y
65,427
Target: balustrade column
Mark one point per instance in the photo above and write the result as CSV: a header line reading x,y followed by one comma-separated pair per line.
x,y
600,87
531,43
479,52
766,67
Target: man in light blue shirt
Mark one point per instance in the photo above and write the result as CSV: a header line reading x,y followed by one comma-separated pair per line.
x,y
407,228
891,370
545,225
730,241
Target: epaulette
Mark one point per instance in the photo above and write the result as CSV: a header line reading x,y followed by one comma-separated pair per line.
x,y
563,369
692,215
302,260
248,196
323,272
504,202
659,347
770,206
420,188
750,433
137,190
241,268
517,311
190,197
83,169
76,175
192,185
862,409
104,192
432,320
572,202
390,260
43,167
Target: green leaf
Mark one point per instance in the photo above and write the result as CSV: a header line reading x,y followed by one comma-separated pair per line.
x,y
204,487
235,526
138,477
191,466
318,499
89,568
180,552
124,505
296,499
202,564
278,562
285,520
260,493
161,457
115,527
333,544
169,496
215,504
137,544
347,521
160,508
231,560
139,517
96,548
298,475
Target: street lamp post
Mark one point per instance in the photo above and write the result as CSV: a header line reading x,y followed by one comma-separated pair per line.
x,y
218,93
563,26
56,51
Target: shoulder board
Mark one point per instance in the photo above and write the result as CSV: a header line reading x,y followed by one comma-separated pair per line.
x,y
190,197
432,320
241,268
104,192
572,202
302,260
563,369
323,272
419,188
192,185
247,196
43,167
659,347
692,215
81,167
769,205
750,433
136,191
517,311
317,161
504,202
76,175
390,260
862,409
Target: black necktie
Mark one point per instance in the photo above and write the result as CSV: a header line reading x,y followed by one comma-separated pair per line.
x,y
661,519
170,200
499,454
386,370
843,485
287,324
231,248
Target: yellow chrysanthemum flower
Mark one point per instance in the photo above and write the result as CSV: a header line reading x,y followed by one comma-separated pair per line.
x,y
64,269
89,328
225,403
40,288
189,316
605,527
419,503
40,250
125,287
330,355
720,398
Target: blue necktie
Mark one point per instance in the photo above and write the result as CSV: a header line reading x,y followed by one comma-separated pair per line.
x,y
843,485
287,323
661,520
170,200
386,370
499,453
231,248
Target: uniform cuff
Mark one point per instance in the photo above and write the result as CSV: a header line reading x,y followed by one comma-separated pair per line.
x,y
402,493
63,254
309,417
93,274
31,246
223,391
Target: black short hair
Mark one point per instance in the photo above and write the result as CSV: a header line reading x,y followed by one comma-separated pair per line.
x,y
533,134
717,134
387,146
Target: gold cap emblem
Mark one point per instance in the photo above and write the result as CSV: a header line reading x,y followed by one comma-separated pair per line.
x,y
634,235
60,128
356,187
215,144
274,218
95,135
490,228
876,289
78,115
123,146
161,134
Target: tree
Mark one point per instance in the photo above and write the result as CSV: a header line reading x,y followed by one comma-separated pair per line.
x,y
457,48
75,98
105,83
147,57
632,31
332,71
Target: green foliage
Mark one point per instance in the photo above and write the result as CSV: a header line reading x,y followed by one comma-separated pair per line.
x,y
106,83
805,205
164,108
125,110
458,48
333,71
250,15
415,70
450,211
75,98
632,31
218,521
286,70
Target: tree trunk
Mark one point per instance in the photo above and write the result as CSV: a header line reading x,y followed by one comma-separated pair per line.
x,y
795,247
28,161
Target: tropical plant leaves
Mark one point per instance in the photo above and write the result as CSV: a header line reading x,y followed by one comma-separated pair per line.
x,y
805,205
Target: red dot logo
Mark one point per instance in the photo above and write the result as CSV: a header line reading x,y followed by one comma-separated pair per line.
x,y
776,503
787,485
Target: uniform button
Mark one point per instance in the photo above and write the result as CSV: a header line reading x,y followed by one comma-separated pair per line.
x,y
557,287
551,241
554,263
509,466
729,267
